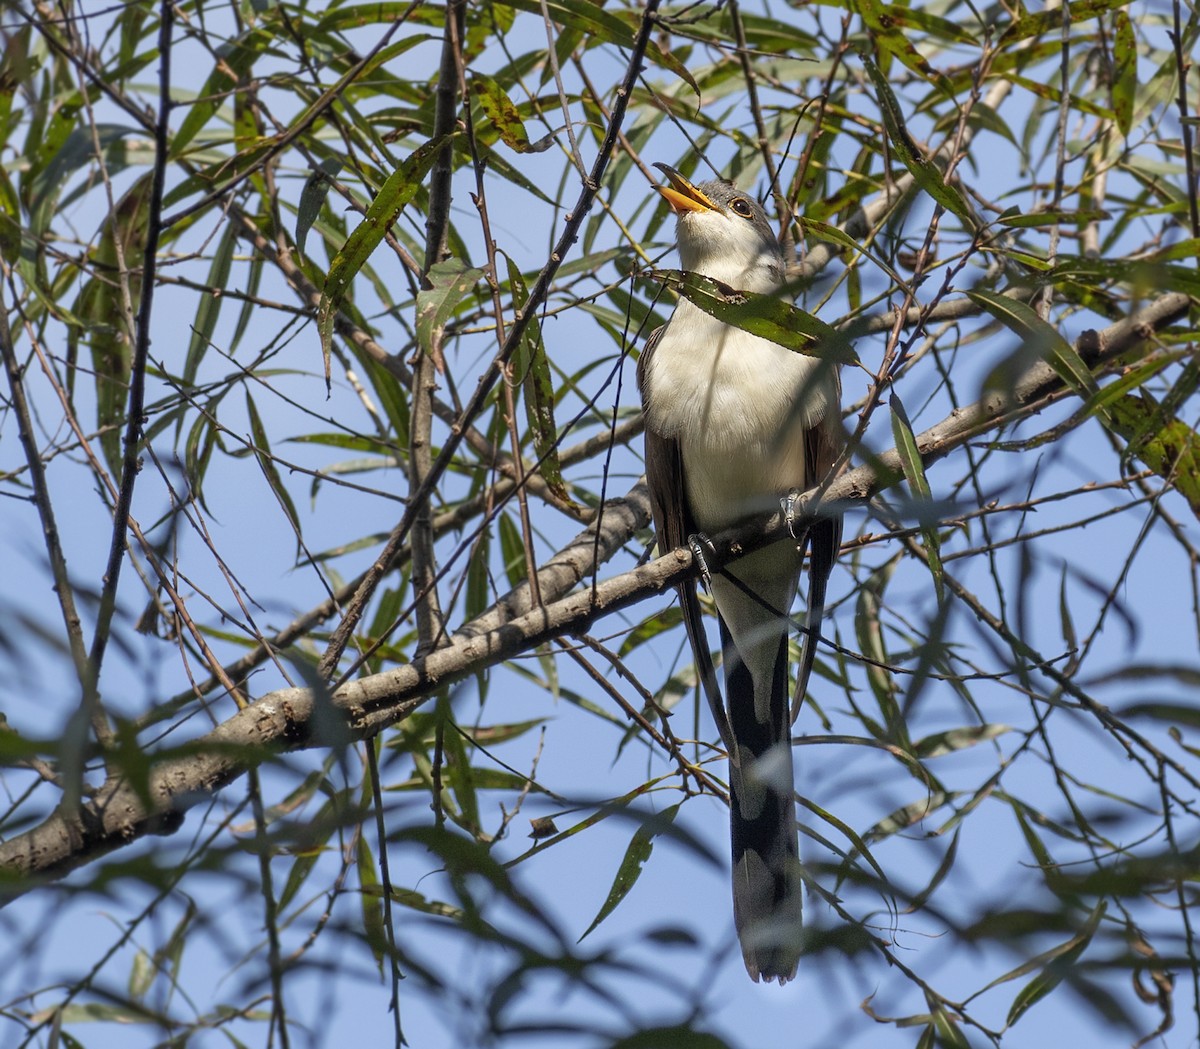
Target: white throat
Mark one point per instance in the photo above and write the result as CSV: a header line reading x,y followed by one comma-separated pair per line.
x,y
729,251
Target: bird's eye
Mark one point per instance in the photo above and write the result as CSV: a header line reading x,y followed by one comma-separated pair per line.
x,y
740,206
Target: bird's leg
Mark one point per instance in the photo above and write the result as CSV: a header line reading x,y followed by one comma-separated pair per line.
x,y
788,506
698,542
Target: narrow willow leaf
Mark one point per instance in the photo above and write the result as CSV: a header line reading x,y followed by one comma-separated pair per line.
x,y
459,776
396,192
451,280
869,633
504,116
905,816
233,62
415,901
262,451
1050,21
76,153
887,34
1041,336
479,778
1058,960
1144,275
901,16
1124,74
833,235
1174,713
1050,92
1051,217
766,316
537,384
950,1035
141,975
208,310
1188,249
923,170
512,550
371,901
1064,614
953,740
100,309
845,829
301,868
312,197
10,220
636,855
943,868
918,483
600,25
479,587
1038,847
1168,445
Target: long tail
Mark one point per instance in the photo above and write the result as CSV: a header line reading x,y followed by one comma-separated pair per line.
x,y
767,889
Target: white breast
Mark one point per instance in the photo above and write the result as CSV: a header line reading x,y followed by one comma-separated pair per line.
x,y
739,406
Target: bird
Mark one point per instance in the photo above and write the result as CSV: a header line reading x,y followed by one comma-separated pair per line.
x,y
735,424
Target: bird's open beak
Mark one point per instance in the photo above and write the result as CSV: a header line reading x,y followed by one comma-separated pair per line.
x,y
681,194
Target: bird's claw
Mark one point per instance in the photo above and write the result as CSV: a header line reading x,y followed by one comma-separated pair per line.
x,y
698,542
788,505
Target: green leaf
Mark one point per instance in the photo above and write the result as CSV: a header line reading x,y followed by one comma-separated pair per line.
x,y
1057,960
504,116
869,632
1042,337
101,310
262,451
512,550
1051,217
844,828
904,817
233,62
1174,713
953,740
918,483
924,172
532,368
636,855
833,235
1050,21
767,316
371,900
450,282
889,35
208,310
312,198
399,189
1168,445
1124,74
950,1034
601,26
141,975
301,868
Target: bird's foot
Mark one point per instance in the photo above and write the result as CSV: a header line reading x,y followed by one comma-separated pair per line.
x,y
698,543
788,505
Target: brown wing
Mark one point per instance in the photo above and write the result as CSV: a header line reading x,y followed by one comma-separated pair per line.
x,y
822,446
673,526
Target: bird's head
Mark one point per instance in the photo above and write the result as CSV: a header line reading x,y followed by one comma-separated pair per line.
x,y
723,232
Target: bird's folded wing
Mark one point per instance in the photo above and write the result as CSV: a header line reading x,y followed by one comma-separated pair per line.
x,y
823,445
673,527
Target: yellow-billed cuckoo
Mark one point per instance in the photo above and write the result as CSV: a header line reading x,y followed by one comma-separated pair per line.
x,y
734,422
